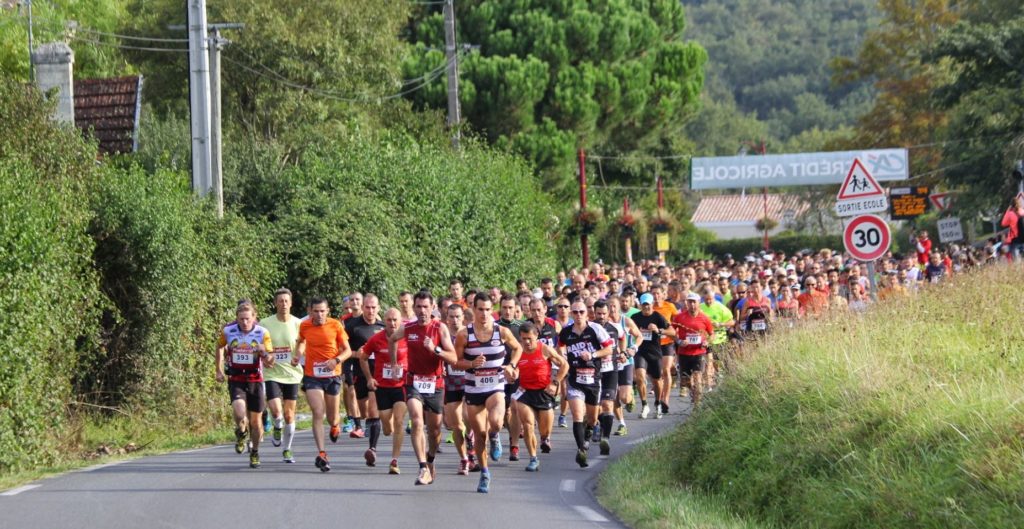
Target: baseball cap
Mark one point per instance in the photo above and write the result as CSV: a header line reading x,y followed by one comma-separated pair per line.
x,y
790,267
646,299
692,297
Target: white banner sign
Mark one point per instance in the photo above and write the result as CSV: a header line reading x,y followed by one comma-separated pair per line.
x,y
819,168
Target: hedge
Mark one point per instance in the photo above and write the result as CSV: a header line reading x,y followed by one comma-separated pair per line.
x,y
786,243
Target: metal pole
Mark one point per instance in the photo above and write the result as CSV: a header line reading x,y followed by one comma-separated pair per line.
x,y
199,95
661,207
454,114
629,240
31,67
583,206
216,167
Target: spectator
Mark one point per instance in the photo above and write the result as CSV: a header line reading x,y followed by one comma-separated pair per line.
x,y
1013,221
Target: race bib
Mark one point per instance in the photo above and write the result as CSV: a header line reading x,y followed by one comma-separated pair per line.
x,y
646,335
246,357
320,370
488,378
693,339
607,364
282,354
585,376
456,372
392,374
758,325
424,384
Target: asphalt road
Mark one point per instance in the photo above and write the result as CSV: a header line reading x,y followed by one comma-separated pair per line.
x,y
214,488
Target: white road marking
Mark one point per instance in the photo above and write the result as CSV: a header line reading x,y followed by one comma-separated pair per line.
x,y
567,485
589,514
18,490
104,465
194,450
638,440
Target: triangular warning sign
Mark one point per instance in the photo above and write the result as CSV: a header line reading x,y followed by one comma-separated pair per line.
x,y
941,201
859,184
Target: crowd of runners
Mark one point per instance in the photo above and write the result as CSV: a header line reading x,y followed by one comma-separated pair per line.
x,y
587,350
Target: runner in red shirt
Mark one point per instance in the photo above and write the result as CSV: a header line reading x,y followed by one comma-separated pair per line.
x,y
535,397
387,382
694,329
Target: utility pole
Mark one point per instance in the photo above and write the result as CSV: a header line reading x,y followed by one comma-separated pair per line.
x,y
31,67
629,239
584,244
661,208
199,96
451,55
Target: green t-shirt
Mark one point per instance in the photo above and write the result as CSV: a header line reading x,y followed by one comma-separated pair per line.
x,y
283,335
717,312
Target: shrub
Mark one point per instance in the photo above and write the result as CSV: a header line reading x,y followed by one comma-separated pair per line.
x,y
787,243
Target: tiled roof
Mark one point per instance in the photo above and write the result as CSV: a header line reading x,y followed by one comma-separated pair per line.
x,y
746,208
108,109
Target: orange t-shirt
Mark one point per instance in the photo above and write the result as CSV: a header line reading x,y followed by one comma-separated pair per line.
x,y
669,311
323,343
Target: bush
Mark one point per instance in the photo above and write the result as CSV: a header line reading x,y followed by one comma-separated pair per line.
x,y
787,243
45,274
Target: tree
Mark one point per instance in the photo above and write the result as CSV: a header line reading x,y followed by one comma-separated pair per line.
x,y
550,77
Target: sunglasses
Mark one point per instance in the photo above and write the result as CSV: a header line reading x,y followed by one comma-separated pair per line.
x,y
562,306
579,312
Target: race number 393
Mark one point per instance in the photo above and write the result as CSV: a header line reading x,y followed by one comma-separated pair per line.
x,y
867,237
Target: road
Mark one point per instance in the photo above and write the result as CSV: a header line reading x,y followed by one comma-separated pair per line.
x,y
214,488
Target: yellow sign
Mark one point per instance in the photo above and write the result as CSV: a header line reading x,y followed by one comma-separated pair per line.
x,y
662,242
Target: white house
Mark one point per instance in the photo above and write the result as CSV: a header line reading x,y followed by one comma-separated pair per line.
x,y
735,216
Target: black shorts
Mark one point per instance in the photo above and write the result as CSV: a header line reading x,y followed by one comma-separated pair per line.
x,y
349,370
609,385
691,364
480,399
589,394
453,395
387,397
330,385
280,390
626,375
252,392
432,402
362,392
538,399
649,361
510,388
668,350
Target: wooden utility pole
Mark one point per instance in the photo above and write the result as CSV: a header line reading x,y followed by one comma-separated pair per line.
x,y
451,55
661,208
629,239
583,207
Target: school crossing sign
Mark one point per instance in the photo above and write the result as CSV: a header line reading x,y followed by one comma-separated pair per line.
x,y
860,193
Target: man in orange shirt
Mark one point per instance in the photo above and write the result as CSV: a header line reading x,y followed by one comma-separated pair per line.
x,y
813,302
668,349
323,348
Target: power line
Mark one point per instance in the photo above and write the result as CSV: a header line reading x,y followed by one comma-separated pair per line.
x,y
123,47
72,25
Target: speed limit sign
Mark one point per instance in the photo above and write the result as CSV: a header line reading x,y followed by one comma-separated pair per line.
x,y
866,237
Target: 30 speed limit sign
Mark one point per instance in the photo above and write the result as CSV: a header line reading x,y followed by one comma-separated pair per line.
x,y
866,237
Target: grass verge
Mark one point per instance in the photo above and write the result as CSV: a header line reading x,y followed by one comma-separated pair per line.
x,y
908,416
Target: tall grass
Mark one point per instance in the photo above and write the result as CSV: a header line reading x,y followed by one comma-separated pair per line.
x,y
908,416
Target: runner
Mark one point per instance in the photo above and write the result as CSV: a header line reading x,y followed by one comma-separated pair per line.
x,y
386,379
245,345
322,348
609,377
647,361
454,395
282,379
507,319
562,319
668,348
482,348
695,328
430,346
583,344
721,319
547,333
625,326
455,290
364,323
354,413
537,389
405,307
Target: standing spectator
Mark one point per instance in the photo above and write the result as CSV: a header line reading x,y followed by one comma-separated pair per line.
x,y
936,269
924,247
1013,220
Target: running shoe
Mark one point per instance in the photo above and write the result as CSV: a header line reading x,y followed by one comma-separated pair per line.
x,y
659,414
408,428
485,483
513,454
287,456
358,433
606,447
254,460
266,422
276,438
370,455
622,430
545,445
239,441
630,406
495,448
322,463
433,472
474,466
248,446
561,422
664,408
393,468
450,439
596,436
682,391
348,426
533,465
645,411
424,478
464,467
335,433
581,458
